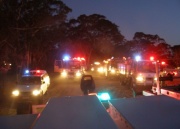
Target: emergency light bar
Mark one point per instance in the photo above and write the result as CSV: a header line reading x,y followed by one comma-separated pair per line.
x,y
34,72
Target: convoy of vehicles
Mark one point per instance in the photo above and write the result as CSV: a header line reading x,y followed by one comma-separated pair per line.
x,y
111,67
121,113
32,85
150,76
70,67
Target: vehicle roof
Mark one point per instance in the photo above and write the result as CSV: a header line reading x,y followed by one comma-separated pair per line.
x,y
18,121
74,112
150,112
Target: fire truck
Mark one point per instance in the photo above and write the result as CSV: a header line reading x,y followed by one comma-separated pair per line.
x,y
70,67
112,67
139,74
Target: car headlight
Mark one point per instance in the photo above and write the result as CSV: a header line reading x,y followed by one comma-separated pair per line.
x,y
100,69
140,78
78,74
64,73
113,71
15,93
155,78
36,92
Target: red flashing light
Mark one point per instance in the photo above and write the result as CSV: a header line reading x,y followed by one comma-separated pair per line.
x,y
163,63
152,58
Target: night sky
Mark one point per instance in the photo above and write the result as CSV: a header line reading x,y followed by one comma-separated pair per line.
x,y
161,17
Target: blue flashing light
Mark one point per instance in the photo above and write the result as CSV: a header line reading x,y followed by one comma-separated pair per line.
x,y
103,96
66,58
138,58
26,71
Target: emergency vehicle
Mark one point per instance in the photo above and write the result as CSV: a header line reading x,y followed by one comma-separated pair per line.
x,y
112,67
70,67
32,85
137,73
97,67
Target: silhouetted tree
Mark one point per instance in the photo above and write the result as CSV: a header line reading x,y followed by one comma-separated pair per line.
x,y
147,45
94,34
28,27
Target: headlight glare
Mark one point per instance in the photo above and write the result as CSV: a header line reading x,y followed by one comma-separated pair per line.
x,y
15,93
100,69
78,74
112,71
92,69
36,92
139,78
64,73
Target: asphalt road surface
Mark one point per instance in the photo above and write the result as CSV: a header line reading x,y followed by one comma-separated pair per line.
x,y
71,87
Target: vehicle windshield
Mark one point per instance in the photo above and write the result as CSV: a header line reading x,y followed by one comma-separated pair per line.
x,y
30,80
146,67
72,64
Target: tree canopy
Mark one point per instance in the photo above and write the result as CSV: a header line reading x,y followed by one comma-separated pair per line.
x,y
150,45
93,35
29,26
34,32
